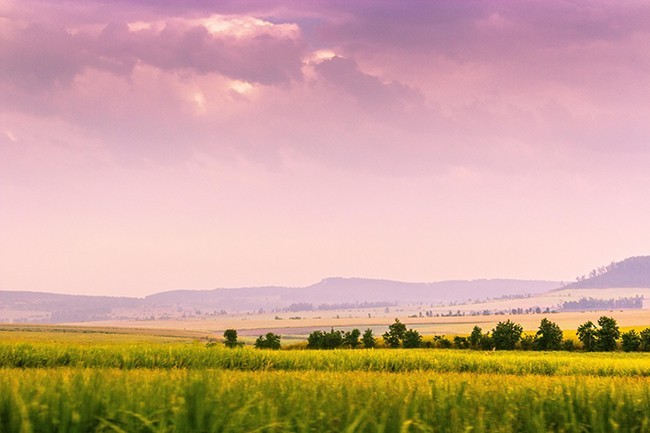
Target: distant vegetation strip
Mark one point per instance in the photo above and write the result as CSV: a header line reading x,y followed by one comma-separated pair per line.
x,y
603,304
196,356
179,401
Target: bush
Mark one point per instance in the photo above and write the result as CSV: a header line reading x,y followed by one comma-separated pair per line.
x,y
368,339
230,336
549,336
351,338
268,341
412,339
506,335
395,334
630,341
645,340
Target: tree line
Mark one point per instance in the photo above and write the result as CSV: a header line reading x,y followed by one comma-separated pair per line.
x,y
603,336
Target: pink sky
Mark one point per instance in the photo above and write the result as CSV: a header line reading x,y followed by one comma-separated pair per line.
x,y
151,145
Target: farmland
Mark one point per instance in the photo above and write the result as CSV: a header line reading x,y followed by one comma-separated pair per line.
x,y
130,382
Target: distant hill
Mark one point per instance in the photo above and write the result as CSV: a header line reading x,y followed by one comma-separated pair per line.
x,y
53,308
631,272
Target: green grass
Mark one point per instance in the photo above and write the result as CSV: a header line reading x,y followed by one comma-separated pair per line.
x,y
133,384
197,356
78,400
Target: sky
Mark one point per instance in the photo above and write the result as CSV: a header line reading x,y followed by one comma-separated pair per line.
x,y
151,145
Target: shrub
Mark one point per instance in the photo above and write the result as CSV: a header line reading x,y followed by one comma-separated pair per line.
x,y
268,341
506,335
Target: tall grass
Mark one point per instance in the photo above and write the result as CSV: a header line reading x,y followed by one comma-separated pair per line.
x,y
196,356
179,401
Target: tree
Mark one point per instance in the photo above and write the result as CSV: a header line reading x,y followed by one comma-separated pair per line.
x,y
461,342
269,341
527,342
393,337
475,337
368,339
325,340
607,334
549,336
486,343
412,339
630,341
506,335
442,342
230,336
587,335
645,340
351,338
315,340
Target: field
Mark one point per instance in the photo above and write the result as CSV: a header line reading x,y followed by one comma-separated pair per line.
x,y
251,326
73,380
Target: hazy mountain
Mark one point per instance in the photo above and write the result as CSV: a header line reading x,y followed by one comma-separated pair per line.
x,y
49,307
631,272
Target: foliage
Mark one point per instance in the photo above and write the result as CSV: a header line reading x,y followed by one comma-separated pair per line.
x,y
630,341
412,339
506,335
461,342
395,334
587,335
268,341
607,334
351,338
475,337
197,357
645,340
527,342
230,337
442,342
549,336
180,401
368,339
325,340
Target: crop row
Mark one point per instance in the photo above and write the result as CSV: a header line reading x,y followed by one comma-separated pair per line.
x,y
196,356
79,401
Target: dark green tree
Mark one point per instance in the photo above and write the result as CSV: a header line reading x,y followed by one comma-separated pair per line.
x,y
527,342
486,343
368,339
568,345
325,340
230,336
461,342
549,336
607,334
395,334
316,340
268,341
351,338
630,341
475,337
587,335
442,342
645,340
506,335
412,339
333,339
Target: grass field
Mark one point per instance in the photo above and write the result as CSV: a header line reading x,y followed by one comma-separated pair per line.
x,y
130,382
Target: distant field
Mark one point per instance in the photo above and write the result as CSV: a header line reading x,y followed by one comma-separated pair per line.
x,y
250,326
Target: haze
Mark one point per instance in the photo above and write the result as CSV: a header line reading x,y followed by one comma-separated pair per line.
x,y
153,145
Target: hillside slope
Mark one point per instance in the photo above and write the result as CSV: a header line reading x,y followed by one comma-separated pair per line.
x,y
631,272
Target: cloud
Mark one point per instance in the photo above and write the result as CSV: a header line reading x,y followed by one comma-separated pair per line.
x,y
41,56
